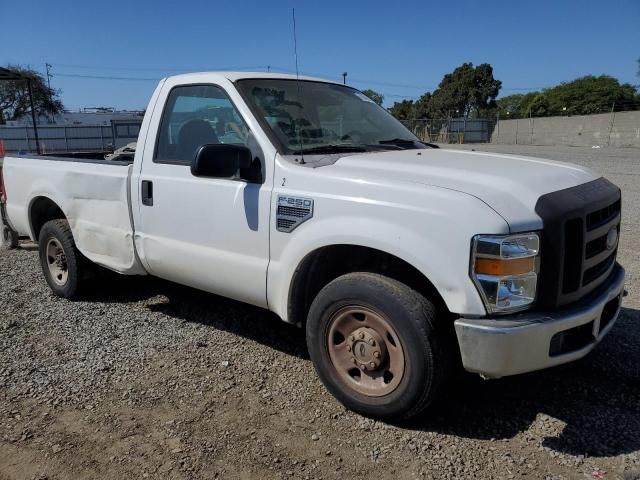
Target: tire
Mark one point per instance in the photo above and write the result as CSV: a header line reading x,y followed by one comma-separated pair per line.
x,y
9,239
54,236
410,322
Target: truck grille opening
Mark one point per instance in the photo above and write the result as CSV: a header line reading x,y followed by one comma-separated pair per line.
x,y
571,340
598,270
582,247
572,256
602,216
609,312
594,247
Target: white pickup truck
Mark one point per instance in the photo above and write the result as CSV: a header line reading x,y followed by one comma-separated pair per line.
x,y
302,196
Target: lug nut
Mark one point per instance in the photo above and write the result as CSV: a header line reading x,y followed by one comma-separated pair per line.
x,y
376,354
372,365
372,342
353,360
348,348
361,335
352,338
363,367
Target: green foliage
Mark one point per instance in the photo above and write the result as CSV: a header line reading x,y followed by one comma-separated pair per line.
x,y
472,91
422,108
403,110
582,96
14,96
515,106
373,95
467,91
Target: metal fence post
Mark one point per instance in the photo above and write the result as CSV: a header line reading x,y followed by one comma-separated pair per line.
x,y
530,128
66,139
611,120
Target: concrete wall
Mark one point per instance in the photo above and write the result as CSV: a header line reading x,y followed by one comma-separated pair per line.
x,y
619,129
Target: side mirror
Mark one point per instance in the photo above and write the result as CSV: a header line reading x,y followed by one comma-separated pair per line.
x,y
220,160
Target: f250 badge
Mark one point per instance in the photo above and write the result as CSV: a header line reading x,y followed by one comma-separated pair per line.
x,y
292,212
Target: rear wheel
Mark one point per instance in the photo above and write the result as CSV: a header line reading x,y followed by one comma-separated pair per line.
x,y
375,345
9,239
62,264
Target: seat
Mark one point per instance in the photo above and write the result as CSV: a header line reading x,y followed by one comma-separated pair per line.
x,y
193,134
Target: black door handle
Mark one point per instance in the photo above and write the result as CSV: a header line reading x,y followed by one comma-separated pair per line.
x,y
147,193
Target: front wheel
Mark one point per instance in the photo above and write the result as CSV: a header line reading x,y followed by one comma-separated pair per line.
x,y
375,345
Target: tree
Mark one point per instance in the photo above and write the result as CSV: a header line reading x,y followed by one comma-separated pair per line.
x,y
468,90
14,96
402,110
516,105
422,107
584,96
373,95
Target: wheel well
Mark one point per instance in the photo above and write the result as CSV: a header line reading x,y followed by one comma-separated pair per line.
x,y
322,266
42,210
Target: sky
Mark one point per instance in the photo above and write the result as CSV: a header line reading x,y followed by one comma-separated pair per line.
x,y
398,48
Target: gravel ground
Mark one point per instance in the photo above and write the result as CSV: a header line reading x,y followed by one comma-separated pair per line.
x,y
146,379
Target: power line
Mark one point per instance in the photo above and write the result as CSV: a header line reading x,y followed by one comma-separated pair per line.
x,y
159,69
102,77
425,88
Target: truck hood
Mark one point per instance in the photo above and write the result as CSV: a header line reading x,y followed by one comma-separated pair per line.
x,y
509,184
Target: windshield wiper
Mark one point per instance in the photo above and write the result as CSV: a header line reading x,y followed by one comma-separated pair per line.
x,y
399,142
331,148
405,143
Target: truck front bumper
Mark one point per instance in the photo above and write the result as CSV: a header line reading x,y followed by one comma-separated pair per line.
x,y
497,347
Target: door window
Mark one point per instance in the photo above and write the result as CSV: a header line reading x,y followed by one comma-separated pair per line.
x,y
196,115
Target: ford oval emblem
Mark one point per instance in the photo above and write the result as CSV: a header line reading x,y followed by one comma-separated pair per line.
x,y
612,238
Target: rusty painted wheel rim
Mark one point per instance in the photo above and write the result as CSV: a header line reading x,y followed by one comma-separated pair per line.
x,y
57,262
365,351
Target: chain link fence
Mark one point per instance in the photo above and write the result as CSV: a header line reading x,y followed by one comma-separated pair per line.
x,y
451,130
71,138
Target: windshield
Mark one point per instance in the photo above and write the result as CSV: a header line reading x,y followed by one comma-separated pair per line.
x,y
315,117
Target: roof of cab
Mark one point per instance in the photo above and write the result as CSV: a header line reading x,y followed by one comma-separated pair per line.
x,y
233,76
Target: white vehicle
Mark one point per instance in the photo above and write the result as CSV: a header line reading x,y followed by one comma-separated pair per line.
x,y
304,197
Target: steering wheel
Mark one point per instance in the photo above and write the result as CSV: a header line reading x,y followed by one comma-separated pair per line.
x,y
355,136
233,127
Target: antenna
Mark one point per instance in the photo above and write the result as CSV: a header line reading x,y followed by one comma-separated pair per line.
x,y
295,52
295,43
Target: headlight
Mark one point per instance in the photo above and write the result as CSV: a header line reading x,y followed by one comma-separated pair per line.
x,y
505,270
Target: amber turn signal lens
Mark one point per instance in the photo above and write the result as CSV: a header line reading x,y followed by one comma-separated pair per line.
x,y
498,267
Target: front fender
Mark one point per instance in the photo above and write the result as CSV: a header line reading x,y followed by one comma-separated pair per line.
x,y
435,244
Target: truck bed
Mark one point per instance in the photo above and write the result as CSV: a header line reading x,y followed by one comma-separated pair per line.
x,y
93,195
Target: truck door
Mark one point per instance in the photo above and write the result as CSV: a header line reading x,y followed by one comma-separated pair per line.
x,y
208,233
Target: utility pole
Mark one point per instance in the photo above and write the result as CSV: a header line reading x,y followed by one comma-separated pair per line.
x,y
344,78
33,118
48,67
